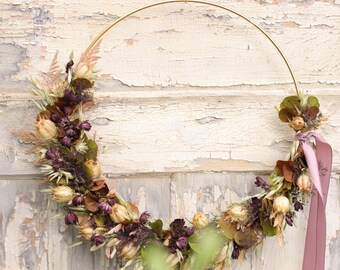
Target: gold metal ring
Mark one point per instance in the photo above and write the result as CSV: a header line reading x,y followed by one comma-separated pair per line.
x,y
97,38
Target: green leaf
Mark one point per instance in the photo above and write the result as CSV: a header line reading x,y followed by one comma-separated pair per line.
x,y
154,257
313,102
157,227
267,227
290,102
93,150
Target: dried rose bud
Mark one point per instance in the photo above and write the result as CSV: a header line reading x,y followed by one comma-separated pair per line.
x,y
92,168
281,205
111,201
289,218
71,219
189,231
200,220
67,110
104,207
86,232
55,117
63,194
144,217
78,200
83,70
261,183
297,123
97,239
298,206
119,214
52,153
71,97
129,250
182,242
46,129
66,141
238,213
304,182
70,132
85,125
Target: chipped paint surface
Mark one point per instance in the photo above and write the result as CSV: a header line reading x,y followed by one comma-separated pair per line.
x,y
186,110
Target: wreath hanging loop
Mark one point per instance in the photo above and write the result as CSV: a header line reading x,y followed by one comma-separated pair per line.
x,y
68,157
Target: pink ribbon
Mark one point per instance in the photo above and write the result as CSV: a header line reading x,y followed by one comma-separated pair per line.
x,y
320,165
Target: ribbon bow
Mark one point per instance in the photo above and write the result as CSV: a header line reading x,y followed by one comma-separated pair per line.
x,y
320,165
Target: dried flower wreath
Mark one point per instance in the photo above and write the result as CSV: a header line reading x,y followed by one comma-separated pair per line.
x,y
68,157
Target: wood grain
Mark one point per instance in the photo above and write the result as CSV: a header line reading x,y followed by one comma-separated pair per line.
x,y
186,111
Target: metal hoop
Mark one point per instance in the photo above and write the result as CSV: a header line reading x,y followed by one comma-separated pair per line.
x,y
97,38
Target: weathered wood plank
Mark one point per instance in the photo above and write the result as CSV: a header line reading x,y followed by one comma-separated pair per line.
x,y
219,131
30,239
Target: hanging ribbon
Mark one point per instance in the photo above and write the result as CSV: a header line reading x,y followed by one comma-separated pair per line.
x,y
319,162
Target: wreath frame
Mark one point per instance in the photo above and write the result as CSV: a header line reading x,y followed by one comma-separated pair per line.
x,y
68,158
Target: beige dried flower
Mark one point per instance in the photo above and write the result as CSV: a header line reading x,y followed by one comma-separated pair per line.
x,y
119,214
200,220
93,168
238,213
129,250
304,182
46,129
281,205
297,123
63,194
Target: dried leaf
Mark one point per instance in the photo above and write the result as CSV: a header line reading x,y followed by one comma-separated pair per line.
x,y
286,115
312,113
91,204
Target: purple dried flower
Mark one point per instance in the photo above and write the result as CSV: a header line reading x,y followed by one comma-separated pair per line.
x,y
71,97
289,218
55,117
71,219
92,222
66,141
256,203
298,206
177,227
56,165
144,217
261,183
85,125
70,132
52,153
67,110
69,65
236,253
97,239
104,207
189,231
182,242
78,200
111,202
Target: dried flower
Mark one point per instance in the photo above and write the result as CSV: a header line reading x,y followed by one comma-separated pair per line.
x,y
289,218
55,118
261,183
129,250
304,182
66,141
111,201
93,168
78,200
52,153
83,70
297,123
63,194
86,232
281,205
119,214
182,242
238,213
71,97
97,239
236,252
104,207
46,129
144,217
85,125
71,219
298,206
200,220
172,260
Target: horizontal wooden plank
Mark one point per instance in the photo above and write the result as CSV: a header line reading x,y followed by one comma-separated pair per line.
x,y
214,130
30,239
181,44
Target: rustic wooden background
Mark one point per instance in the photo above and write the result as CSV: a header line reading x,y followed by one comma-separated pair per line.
x,y
186,112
